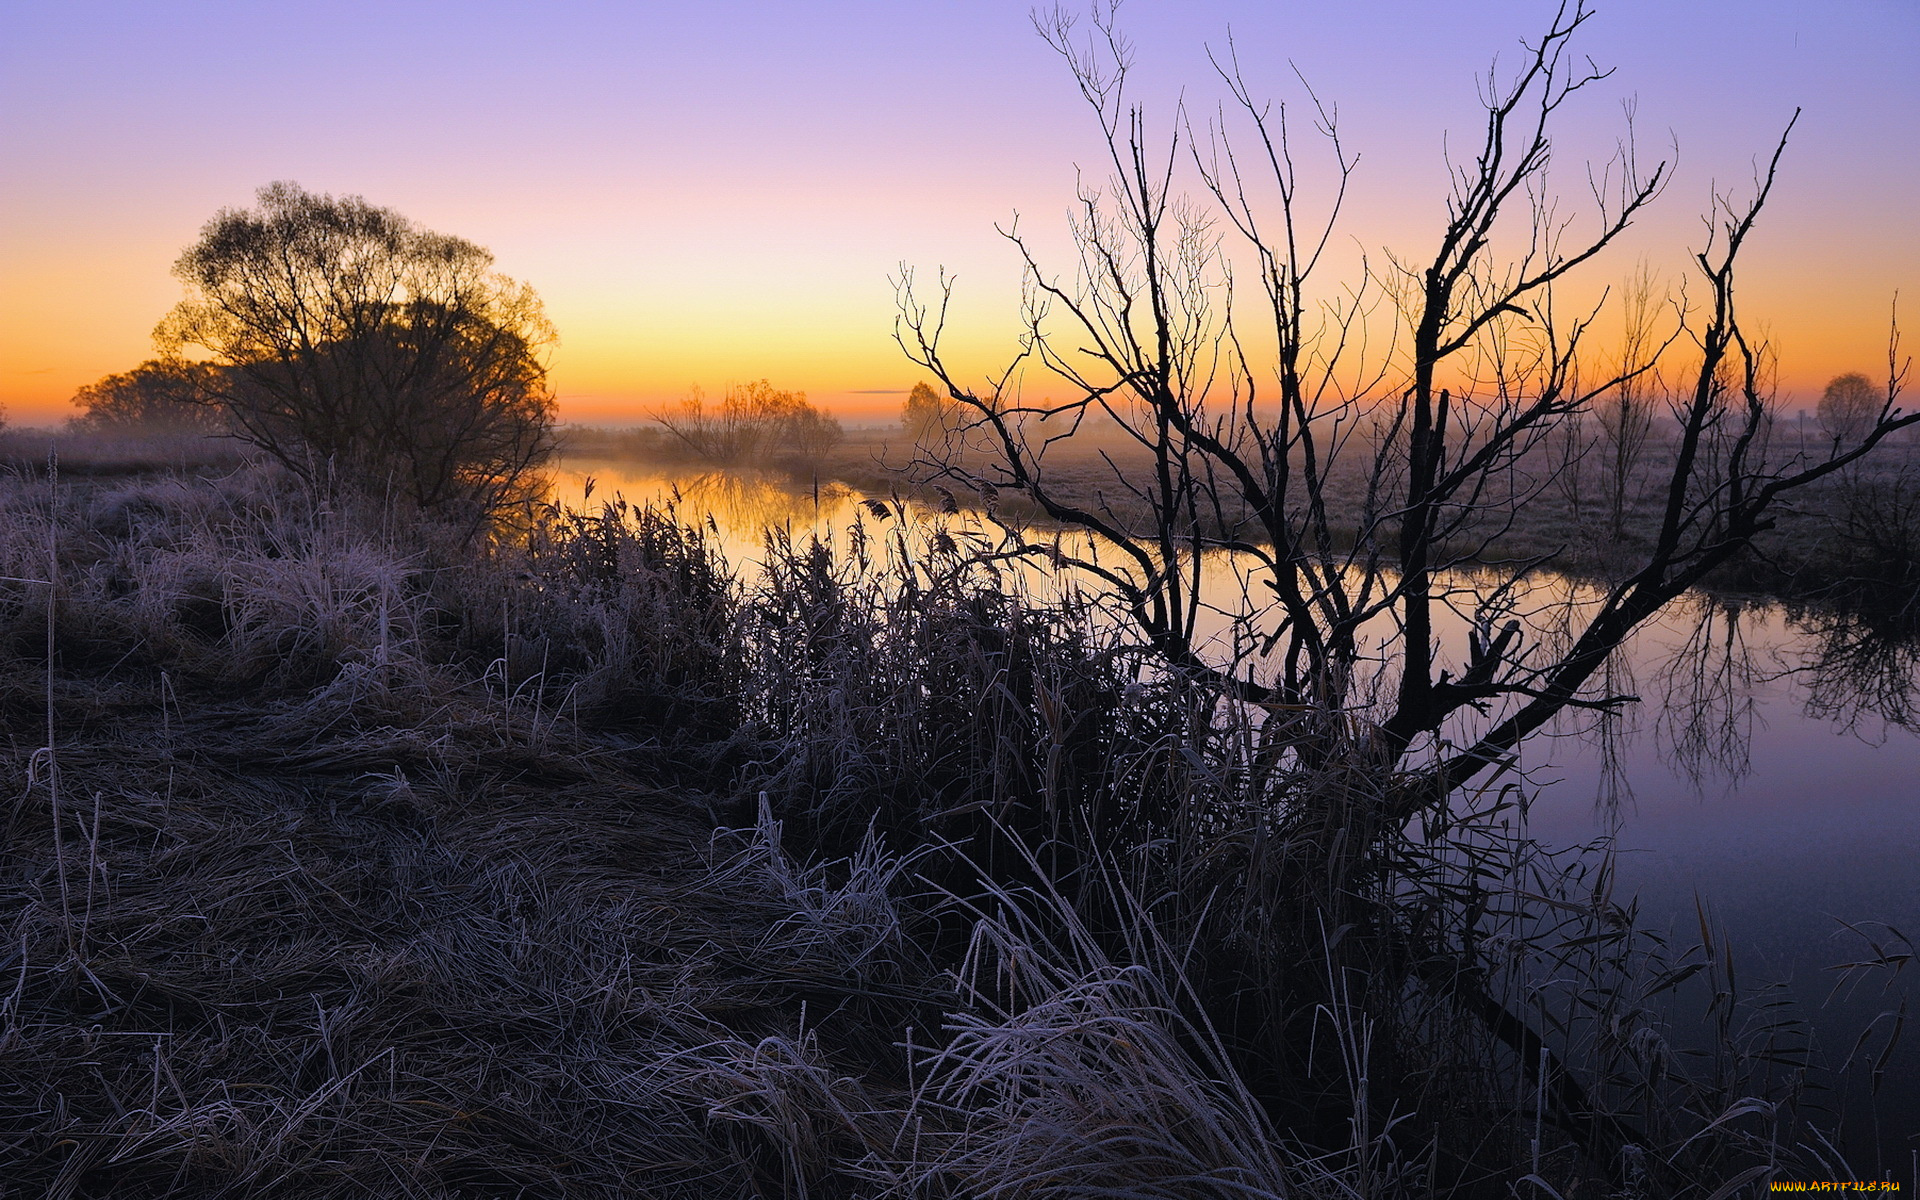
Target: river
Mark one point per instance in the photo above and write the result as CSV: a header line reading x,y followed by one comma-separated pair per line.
x,y
1769,777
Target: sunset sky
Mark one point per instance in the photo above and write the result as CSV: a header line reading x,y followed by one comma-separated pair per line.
x,y
719,192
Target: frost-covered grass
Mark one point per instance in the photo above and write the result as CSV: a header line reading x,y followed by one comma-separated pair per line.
x,y
346,860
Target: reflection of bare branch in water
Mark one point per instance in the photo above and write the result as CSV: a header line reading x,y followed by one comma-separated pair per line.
x,y
1610,729
1863,666
1866,632
1706,718
1611,734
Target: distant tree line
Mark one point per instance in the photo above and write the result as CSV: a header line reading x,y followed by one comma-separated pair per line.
x,y
155,397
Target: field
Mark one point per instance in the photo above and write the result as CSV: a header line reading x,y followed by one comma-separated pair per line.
x,y
345,859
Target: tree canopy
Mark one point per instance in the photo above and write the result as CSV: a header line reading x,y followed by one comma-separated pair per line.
x,y
1849,407
929,414
154,397
754,422
359,348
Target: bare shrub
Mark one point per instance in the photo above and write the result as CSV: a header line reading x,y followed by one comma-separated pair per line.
x,y
753,424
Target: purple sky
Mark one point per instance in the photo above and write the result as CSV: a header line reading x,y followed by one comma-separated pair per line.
x,y
717,193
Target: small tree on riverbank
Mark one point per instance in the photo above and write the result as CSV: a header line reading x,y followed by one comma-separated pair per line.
x,y
351,345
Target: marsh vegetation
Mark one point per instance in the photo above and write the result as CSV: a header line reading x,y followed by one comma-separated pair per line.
x,y
1140,811
346,862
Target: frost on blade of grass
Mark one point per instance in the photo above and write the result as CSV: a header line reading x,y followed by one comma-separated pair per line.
x,y
850,930
1066,1073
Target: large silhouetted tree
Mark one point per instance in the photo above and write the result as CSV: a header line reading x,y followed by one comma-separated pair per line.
x,y
1359,447
356,347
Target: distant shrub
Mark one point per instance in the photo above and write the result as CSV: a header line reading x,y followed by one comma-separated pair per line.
x,y
754,423
1849,407
154,397
927,414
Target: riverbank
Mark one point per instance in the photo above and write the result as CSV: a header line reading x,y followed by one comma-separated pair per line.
x,y
345,860
1851,542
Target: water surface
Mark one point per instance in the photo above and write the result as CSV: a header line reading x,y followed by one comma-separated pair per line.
x,y
1766,775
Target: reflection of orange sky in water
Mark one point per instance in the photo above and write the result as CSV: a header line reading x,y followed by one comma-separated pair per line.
x,y
737,508
742,505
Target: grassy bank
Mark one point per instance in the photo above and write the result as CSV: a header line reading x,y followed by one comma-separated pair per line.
x,y
344,860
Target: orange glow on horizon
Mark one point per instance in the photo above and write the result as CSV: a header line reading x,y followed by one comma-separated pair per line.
x,y
611,384
684,233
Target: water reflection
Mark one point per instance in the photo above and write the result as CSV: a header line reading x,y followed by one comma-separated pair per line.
x,y
1854,668
1774,779
1698,669
1862,667
737,507
1770,764
1706,690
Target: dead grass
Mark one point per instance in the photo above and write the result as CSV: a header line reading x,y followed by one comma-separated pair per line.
x,y
344,862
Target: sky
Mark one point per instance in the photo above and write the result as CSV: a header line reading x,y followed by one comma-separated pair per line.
x,y
710,194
